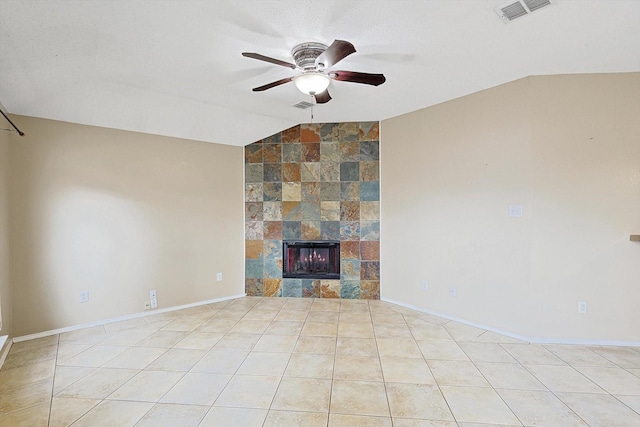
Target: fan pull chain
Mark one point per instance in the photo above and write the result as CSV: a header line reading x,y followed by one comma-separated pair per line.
x,y
312,114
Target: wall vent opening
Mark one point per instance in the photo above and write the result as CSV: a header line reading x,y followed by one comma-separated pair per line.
x,y
303,105
518,8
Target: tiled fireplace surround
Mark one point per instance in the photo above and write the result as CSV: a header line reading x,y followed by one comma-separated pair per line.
x,y
314,182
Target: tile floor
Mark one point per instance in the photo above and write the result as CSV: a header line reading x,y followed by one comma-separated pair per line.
x,y
312,362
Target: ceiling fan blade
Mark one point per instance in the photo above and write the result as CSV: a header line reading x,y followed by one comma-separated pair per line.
x,y
272,84
323,98
268,59
338,50
356,77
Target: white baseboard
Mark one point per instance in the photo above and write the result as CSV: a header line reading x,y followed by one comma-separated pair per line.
x,y
533,340
5,346
120,319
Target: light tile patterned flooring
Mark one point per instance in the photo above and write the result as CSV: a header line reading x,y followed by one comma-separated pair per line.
x,y
312,362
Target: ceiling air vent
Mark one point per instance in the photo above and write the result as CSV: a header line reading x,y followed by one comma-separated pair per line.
x,y
303,105
515,9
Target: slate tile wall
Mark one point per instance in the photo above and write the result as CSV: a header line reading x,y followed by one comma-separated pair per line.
x,y
314,182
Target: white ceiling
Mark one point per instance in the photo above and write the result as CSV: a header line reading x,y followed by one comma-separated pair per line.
x,y
174,67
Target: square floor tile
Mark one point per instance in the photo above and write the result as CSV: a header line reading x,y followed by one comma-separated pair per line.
x,y
246,417
220,362
339,420
621,356
114,413
278,327
66,410
613,380
276,343
315,345
540,408
309,365
199,340
163,339
197,389
147,386
532,354
486,352
357,368
248,391
457,373
600,409
359,398
357,347
237,342
292,418
413,371
95,356
319,329
478,405
441,350
578,355
135,358
509,376
303,394
260,363
177,359
421,401
563,378
407,422
172,415
25,396
26,374
99,383
398,347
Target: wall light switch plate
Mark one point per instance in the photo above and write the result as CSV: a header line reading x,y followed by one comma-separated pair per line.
x,y
219,277
154,298
84,296
515,211
425,285
582,307
453,292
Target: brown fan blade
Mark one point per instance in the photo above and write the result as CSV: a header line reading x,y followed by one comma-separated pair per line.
x,y
356,77
268,59
338,50
323,98
272,84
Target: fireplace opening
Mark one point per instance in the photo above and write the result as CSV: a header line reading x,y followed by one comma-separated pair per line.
x,y
311,259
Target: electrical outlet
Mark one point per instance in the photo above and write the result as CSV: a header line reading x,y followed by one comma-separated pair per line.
x,y
219,277
147,305
582,307
515,211
425,285
154,298
453,292
84,296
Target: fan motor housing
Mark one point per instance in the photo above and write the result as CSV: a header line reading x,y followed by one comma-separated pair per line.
x,y
305,54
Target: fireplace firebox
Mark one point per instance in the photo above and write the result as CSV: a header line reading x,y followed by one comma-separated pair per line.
x,y
311,259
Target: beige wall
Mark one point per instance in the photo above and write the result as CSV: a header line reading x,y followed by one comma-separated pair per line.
x,y
564,147
5,289
118,214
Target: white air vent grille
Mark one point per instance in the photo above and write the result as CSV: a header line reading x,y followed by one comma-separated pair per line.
x,y
513,11
303,105
518,8
534,5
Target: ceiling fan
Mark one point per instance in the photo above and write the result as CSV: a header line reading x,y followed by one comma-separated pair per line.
x,y
312,61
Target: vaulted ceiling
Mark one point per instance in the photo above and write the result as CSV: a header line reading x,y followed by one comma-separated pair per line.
x,y
174,67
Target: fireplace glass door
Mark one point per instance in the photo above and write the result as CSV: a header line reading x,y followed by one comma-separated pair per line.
x,y
311,259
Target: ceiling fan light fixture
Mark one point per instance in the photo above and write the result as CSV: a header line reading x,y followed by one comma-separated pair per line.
x,y
312,83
